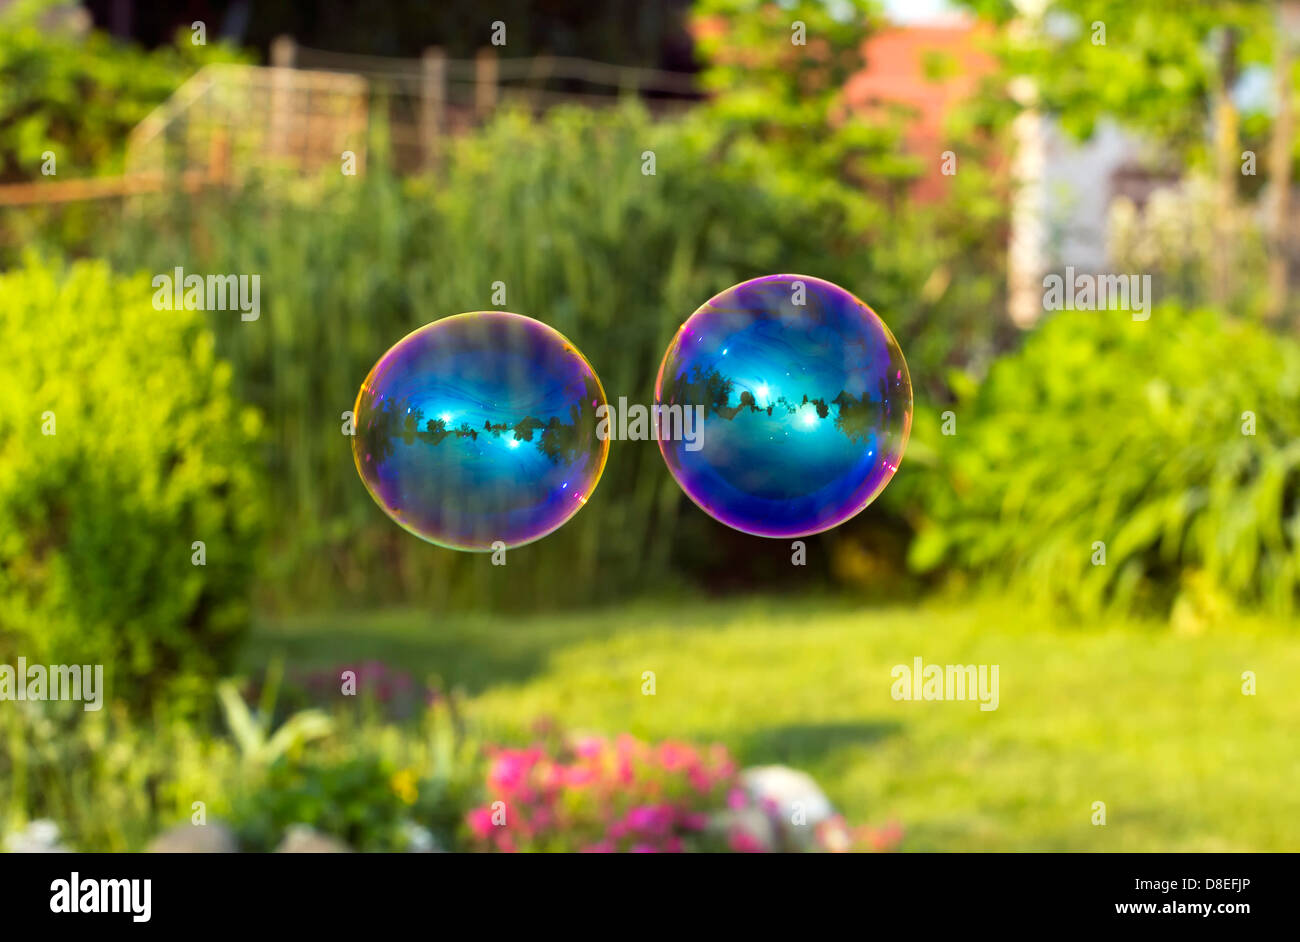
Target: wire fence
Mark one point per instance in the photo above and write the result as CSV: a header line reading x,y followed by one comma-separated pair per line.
x,y
428,98
311,106
228,119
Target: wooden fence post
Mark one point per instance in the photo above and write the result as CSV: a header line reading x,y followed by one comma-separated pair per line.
x,y
1280,226
485,82
283,53
433,103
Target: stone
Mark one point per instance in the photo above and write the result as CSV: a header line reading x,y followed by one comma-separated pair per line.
x,y
792,800
303,839
214,838
39,837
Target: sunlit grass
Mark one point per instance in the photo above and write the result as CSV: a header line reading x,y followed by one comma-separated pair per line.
x,y
1151,722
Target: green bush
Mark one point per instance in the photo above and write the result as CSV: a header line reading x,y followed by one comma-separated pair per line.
x,y
1136,435
113,781
346,773
354,801
78,95
120,447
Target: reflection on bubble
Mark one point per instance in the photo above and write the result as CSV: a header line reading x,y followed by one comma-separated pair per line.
x,y
807,406
480,428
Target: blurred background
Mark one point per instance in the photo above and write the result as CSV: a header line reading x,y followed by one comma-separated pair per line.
x,y
1105,506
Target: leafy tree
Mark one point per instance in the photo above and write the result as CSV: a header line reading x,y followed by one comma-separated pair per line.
x,y
776,73
1153,65
79,95
1170,71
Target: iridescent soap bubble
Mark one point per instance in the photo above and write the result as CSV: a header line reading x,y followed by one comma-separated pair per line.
x,y
480,428
806,405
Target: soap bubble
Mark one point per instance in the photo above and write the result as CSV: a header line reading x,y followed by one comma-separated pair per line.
x,y
480,429
806,405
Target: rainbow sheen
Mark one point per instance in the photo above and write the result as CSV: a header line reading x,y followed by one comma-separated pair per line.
x,y
480,429
807,407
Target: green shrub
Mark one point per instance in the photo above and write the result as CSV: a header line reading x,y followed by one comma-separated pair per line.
x,y
112,780
354,801
109,780
79,95
1133,434
120,447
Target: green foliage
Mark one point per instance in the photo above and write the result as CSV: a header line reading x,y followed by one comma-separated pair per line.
x,y
120,446
256,741
112,781
777,74
109,780
345,775
353,801
1133,434
1156,72
79,96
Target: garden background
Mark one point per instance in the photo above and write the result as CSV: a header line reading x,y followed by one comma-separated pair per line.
x,y
1158,679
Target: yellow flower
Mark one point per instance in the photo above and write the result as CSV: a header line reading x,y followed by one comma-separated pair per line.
x,y
403,785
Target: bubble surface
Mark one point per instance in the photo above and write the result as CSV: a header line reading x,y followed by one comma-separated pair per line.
x,y
480,428
806,407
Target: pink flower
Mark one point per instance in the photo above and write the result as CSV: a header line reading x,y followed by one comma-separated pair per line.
x,y
676,755
625,793
589,747
695,821
629,747
480,821
511,767
742,842
546,772
650,819
700,780
580,776
887,838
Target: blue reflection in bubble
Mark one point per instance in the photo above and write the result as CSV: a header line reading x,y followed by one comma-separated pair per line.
x,y
480,428
807,404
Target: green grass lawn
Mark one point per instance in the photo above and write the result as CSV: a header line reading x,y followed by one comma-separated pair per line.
x,y
1150,722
